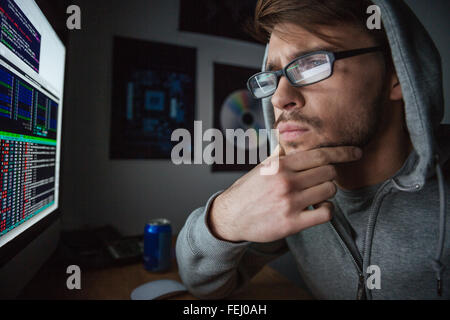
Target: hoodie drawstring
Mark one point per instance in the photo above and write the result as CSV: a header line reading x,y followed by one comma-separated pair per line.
x,y
438,266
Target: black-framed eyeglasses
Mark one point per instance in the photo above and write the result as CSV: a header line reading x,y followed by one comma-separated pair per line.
x,y
302,71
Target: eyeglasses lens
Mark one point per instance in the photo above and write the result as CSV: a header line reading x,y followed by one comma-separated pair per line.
x,y
309,69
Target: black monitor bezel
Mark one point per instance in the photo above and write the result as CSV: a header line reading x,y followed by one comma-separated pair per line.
x,y
10,249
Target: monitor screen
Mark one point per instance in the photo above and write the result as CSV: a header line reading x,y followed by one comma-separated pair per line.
x,y
32,59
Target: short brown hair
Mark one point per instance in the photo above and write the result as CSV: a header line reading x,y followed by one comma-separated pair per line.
x,y
309,14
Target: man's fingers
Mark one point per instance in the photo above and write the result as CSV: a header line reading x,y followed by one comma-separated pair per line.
x,y
315,194
322,213
312,177
315,206
303,160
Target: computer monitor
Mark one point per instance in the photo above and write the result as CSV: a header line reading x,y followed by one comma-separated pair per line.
x,y
32,61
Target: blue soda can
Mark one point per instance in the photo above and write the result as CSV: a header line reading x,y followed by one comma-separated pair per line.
x,y
157,245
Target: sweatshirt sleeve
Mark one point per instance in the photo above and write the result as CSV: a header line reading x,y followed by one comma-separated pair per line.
x,y
214,269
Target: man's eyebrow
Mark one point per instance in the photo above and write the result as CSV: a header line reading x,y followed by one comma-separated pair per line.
x,y
274,66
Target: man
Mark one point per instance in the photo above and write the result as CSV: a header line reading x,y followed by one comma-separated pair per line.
x,y
359,181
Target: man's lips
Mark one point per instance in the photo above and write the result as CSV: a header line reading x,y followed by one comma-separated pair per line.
x,y
291,131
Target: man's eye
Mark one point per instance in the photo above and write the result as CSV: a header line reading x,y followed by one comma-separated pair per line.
x,y
315,63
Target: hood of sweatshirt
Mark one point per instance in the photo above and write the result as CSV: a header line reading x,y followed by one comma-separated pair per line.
x,y
418,66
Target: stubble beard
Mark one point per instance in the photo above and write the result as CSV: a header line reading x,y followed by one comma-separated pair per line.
x,y
358,131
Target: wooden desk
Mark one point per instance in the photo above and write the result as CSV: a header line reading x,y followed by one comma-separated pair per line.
x,y
118,283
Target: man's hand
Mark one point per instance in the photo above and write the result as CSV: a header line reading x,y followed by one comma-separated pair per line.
x,y
264,208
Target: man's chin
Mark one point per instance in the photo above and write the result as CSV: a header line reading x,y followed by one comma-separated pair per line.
x,y
292,147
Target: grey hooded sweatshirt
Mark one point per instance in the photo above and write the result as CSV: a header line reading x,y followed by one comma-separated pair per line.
x,y
398,226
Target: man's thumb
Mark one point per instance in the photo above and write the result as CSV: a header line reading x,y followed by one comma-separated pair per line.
x,y
278,151
271,164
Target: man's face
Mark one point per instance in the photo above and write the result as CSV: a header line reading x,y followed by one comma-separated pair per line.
x,y
345,109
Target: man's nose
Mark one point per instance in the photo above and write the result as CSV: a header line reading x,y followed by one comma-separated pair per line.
x,y
287,97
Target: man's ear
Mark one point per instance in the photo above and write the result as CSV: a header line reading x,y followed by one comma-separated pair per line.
x,y
396,89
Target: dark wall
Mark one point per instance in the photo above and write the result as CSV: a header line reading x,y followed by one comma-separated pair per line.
x,y
55,11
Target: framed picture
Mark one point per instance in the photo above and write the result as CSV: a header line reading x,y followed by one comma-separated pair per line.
x,y
234,108
153,93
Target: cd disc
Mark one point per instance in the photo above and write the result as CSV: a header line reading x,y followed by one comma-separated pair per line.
x,y
241,111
